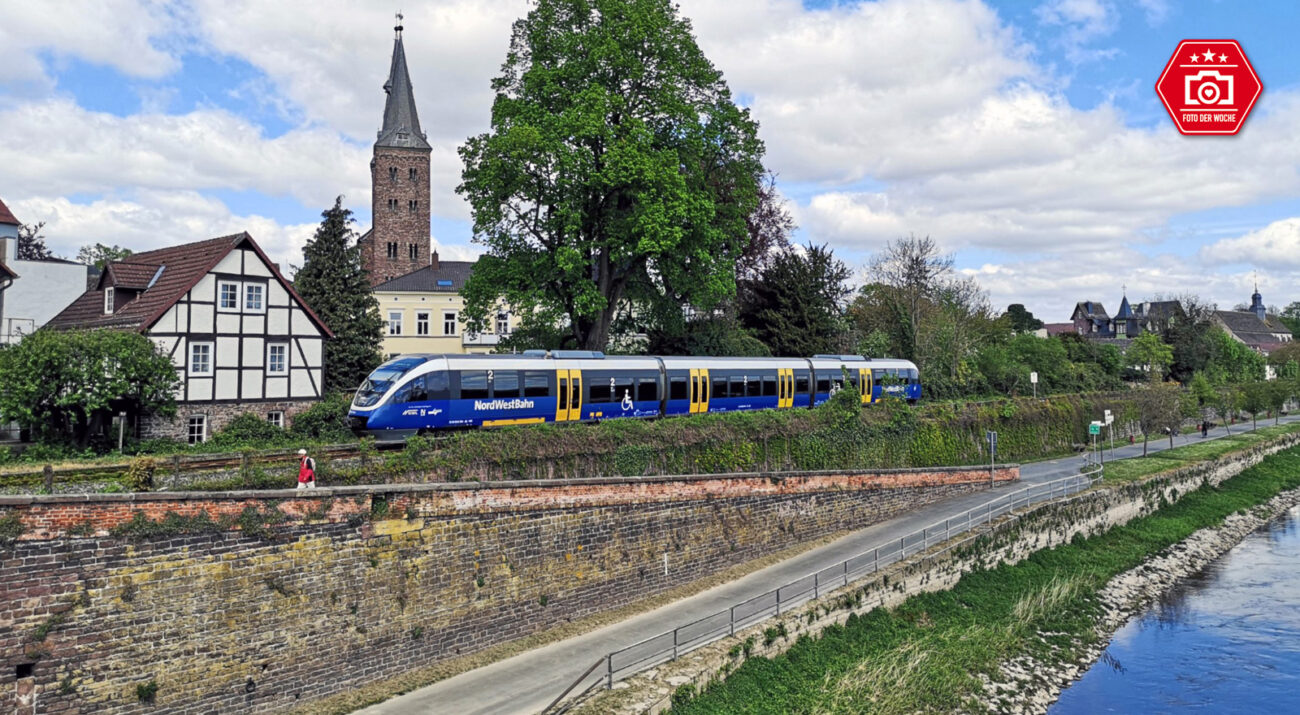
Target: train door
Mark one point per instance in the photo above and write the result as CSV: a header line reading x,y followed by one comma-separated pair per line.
x,y
699,391
864,384
785,388
568,398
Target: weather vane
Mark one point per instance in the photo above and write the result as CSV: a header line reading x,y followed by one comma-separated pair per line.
x,y
400,17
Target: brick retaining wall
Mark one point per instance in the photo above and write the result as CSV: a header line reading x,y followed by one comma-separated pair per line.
x,y
382,580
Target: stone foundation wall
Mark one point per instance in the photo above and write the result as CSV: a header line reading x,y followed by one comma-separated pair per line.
x,y
342,587
219,415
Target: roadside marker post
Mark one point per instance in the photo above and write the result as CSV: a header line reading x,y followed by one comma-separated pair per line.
x,y
993,455
1033,380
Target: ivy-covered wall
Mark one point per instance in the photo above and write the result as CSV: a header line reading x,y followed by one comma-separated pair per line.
x,y
836,436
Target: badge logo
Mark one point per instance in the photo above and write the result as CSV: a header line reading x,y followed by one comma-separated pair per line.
x,y
1209,87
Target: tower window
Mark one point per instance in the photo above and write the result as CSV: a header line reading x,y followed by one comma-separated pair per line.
x,y
410,205
392,173
392,249
414,251
414,173
392,204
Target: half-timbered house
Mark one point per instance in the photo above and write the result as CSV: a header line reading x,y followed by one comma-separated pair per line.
x,y
242,340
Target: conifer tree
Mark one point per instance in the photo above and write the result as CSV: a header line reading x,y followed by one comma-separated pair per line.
x,y
335,283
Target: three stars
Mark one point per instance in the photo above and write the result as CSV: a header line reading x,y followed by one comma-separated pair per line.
x,y
1209,57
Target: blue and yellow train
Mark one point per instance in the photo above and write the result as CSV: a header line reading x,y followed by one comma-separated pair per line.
x,y
415,394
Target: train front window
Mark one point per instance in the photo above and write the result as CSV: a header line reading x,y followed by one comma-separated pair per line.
x,y
382,380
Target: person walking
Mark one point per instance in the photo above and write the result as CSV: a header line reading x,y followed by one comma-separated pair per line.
x,y
306,471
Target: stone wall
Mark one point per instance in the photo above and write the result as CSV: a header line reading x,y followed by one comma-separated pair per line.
x,y
219,415
328,590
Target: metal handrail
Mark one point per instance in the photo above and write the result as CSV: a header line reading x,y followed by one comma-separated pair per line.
x,y
672,645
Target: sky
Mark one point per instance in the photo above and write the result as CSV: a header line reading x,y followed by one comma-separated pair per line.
x,y
1024,136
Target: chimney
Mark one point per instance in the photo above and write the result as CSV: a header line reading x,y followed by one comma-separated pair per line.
x,y
433,260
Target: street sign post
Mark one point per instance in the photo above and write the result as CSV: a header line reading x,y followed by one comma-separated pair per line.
x,y
993,452
1110,425
1094,429
1033,380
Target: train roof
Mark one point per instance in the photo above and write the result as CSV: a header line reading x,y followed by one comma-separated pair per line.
x,y
583,360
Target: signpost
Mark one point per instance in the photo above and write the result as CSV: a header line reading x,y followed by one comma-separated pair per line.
x,y
993,452
1110,424
1094,429
1033,380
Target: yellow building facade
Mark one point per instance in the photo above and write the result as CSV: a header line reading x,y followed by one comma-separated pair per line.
x,y
423,312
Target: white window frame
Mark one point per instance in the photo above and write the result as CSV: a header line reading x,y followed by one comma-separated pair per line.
x,y
239,296
455,324
503,323
422,320
395,323
261,291
276,417
108,301
284,368
203,429
211,358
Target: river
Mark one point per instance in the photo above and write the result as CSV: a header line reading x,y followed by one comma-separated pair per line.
x,y
1225,640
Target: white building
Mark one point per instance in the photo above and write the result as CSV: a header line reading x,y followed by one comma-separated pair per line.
x,y
241,338
41,288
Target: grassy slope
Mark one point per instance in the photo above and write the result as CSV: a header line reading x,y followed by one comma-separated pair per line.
x,y
1128,470
924,654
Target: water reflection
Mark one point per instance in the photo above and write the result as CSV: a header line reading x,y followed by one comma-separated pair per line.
x,y
1226,640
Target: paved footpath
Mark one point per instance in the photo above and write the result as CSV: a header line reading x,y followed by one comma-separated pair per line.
x,y
528,682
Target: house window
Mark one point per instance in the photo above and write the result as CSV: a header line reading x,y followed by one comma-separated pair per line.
x,y
394,322
200,358
413,173
227,296
392,249
449,322
108,301
503,323
276,418
414,251
255,297
422,323
277,359
392,173
197,430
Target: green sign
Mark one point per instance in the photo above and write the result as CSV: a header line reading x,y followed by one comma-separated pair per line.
x,y
1094,428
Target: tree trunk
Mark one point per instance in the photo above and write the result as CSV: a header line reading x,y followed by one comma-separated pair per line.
x,y
1144,444
1171,439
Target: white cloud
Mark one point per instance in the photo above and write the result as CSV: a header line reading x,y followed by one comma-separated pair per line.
x,y
157,219
1275,246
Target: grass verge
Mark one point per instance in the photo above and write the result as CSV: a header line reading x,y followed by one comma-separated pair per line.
x,y
926,654
1135,468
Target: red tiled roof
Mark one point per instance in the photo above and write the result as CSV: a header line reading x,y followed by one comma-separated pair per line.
x,y
7,216
182,268
1059,328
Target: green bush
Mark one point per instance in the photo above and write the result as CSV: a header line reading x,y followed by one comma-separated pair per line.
x,y
249,430
325,421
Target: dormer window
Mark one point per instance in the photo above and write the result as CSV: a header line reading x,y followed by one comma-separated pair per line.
x,y
108,301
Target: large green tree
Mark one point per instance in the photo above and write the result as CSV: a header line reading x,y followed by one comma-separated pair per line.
x,y
1149,353
618,167
335,283
100,255
796,305
1022,321
66,386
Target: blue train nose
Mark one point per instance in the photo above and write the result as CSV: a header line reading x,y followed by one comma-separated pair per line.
x,y
357,424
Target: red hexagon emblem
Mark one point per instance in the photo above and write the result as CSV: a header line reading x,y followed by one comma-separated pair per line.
x,y
1209,87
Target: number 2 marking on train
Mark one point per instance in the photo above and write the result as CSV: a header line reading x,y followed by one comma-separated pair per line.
x,y
490,375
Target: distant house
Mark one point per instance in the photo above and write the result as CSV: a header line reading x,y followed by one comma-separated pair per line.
x,y
242,340
47,286
423,312
1055,329
1090,319
1254,327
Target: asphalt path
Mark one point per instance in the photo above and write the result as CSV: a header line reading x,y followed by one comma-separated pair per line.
x,y
528,682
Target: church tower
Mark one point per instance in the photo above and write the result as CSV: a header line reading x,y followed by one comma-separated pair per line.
x,y
398,241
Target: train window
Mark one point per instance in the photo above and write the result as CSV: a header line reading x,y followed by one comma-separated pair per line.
x,y
912,376
677,388
719,387
505,383
754,386
801,384
878,373
600,391
853,378
435,383
823,384
647,390
737,387
769,386
473,385
622,388
536,384
412,391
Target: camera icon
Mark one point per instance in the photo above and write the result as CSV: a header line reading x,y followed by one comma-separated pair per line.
x,y
1207,87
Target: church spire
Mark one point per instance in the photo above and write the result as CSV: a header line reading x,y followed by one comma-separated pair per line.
x,y
401,123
